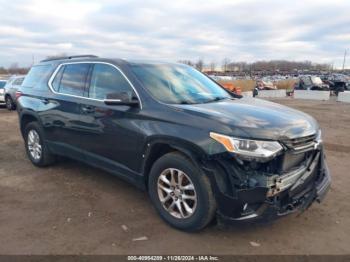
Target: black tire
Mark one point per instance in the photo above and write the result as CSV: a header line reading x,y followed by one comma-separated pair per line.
x,y
10,105
206,204
46,158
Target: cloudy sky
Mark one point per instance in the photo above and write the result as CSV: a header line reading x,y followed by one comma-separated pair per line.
x,y
242,30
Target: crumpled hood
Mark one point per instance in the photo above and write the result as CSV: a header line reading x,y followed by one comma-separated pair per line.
x,y
259,119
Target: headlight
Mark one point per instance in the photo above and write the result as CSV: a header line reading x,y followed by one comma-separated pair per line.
x,y
248,148
1,91
319,136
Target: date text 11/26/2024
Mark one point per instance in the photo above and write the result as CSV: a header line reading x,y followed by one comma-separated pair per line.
x,y
173,258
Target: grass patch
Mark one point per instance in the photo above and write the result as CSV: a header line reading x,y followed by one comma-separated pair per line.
x,y
245,85
248,85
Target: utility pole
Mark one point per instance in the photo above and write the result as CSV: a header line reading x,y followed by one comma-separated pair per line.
x,y
344,59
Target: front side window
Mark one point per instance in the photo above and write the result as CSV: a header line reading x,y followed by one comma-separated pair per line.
x,y
178,84
105,80
74,79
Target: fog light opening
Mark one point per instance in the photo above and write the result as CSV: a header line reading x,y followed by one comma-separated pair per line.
x,y
245,206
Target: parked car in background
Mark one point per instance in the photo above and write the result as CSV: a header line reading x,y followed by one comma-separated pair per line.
x,y
263,85
10,90
311,83
2,91
337,82
197,149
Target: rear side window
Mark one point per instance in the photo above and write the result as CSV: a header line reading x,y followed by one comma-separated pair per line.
x,y
106,79
18,81
36,75
73,79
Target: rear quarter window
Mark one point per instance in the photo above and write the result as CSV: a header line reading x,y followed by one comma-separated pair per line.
x,y
37,76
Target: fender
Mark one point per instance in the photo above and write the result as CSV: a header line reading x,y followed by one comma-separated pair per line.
x,y
23,113
192,151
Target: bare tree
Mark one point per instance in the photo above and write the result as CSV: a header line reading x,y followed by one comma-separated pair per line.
x,y
199,65
3,71
13,69
186,62
212,66
225,64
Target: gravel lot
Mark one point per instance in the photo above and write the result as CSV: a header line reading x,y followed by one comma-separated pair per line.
x,y
71,208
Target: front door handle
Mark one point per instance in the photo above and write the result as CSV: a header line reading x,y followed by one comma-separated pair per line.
x,y
88,109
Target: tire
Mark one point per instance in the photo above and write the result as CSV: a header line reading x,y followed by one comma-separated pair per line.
x,y
46,158
202,203
10,105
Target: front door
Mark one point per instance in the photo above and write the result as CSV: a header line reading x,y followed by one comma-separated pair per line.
x,y
110,134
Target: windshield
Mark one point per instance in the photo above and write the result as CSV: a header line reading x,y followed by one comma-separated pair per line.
x,y
316,80
307,81
178,84
2,84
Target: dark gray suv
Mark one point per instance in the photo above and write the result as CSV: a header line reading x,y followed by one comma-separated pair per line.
x,y
197,149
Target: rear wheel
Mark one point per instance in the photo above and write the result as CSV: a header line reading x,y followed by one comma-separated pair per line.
x,y
181,194
36,148
10,105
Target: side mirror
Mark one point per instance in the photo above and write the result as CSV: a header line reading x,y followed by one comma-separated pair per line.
x,y
120,99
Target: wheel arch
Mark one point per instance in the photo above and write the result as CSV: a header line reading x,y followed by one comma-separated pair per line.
x,y
159,147
27,118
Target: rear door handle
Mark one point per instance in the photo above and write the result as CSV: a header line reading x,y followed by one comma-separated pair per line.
x,y
88,109
45,101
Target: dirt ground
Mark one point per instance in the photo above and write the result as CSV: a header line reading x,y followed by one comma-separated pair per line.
x,y
71,208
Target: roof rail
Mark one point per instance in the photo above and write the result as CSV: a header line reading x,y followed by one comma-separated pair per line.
x,y
68,57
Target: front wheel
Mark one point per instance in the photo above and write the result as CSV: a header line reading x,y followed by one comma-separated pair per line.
x,y
181,193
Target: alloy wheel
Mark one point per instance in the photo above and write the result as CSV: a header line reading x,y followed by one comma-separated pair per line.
x,y
177,193
8,103
34,146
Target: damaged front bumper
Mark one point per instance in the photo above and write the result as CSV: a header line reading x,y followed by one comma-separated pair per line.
x,y
280,195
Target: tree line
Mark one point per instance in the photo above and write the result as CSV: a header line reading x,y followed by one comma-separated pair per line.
x,y
14,69
228,65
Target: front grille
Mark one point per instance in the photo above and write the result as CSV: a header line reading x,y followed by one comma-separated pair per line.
x,y
300,142
292,161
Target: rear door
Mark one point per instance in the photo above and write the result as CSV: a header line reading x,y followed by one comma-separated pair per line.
x,y
110,136
62,121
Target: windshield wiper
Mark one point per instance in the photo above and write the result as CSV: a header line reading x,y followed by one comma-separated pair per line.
x,y
217,99
184,102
